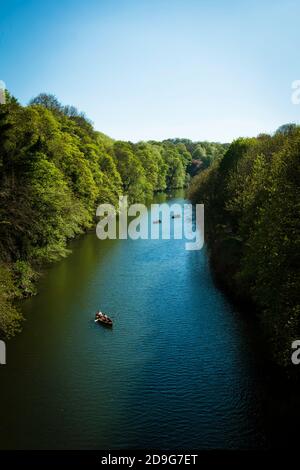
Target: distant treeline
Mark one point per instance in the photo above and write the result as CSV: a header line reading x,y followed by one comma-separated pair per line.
x,y
54,171
252,202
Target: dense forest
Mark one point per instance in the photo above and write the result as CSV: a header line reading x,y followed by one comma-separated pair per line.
x,y
55,168
252,202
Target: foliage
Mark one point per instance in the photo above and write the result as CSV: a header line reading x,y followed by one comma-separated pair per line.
x,y
252,207
24,278
9,316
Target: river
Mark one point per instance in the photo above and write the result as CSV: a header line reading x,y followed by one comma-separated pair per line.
x,y
179,369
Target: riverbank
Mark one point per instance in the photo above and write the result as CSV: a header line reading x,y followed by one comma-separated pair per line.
x,y
252,225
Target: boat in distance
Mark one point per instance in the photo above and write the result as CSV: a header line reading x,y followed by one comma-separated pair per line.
x,y
103,319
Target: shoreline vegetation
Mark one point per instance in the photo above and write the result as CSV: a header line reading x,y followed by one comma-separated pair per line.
x,y
252,220
55,169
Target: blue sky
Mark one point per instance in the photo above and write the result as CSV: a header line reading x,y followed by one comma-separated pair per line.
x,y
153,69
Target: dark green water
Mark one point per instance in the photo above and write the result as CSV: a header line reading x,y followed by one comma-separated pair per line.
x,y
178,370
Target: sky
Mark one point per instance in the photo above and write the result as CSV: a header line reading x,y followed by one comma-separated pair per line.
x,y
155,69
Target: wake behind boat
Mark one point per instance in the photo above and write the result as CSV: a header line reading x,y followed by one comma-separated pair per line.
x,y
103,318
